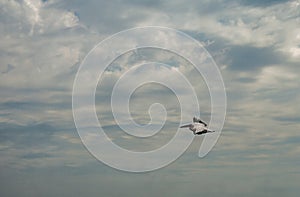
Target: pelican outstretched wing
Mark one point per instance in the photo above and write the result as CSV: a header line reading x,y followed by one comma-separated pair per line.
x,y
198,120
184,126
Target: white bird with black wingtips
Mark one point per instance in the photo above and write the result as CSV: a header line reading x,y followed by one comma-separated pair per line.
x,y
198,127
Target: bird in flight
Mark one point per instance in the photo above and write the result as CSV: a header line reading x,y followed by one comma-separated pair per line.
x,y
198,127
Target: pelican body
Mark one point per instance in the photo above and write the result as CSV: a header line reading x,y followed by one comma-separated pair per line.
x,y
198,127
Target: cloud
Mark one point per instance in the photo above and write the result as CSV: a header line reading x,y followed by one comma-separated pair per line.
x,y
34,15
46,146
255,44
43,43
262,3
242,56
7,69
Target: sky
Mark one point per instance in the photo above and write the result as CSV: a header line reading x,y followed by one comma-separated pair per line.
x,y
255,44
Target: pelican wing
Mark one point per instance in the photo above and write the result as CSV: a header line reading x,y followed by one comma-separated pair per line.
x,y
199,121
185,126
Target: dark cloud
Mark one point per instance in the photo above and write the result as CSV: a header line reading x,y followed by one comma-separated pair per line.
x,y
15,105
34,105
263,3
288,119
27,135
7,69
248,58
294,139
246,79
144,3
36,155
278,96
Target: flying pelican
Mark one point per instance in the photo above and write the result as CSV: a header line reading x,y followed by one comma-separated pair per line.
x,y
198,127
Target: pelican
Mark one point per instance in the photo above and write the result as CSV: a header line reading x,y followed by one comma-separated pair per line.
x,y
198,127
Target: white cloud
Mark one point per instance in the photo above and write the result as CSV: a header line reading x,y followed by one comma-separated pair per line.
x,y
37,17
295,51
270,26
275,76
43,45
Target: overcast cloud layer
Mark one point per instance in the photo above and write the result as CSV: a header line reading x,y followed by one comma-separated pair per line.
x,y
256,45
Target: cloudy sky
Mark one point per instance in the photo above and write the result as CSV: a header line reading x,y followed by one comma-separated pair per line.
x,y
255,44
